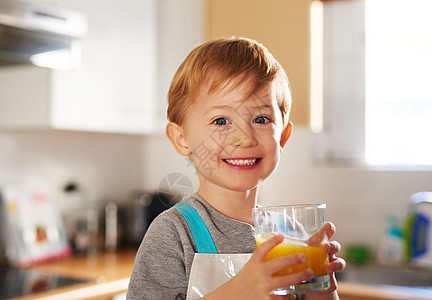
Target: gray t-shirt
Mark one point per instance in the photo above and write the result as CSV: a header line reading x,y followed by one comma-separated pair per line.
x,y
164,259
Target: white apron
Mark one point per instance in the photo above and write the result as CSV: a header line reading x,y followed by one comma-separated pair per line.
x,y
209,269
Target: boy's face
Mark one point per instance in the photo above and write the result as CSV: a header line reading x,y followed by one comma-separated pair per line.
x,y
233,144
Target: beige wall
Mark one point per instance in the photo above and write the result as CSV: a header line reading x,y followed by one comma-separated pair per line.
x,y
282,26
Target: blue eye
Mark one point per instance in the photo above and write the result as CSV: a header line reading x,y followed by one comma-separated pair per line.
x,y
220,121
261,120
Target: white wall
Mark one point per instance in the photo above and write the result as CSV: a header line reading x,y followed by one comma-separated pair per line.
x,y
109,166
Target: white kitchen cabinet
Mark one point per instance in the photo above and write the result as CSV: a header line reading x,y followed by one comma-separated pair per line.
x,y
114,90
181,26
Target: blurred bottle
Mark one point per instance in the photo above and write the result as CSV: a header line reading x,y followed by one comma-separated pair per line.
x,y
390,251
92,226
111,225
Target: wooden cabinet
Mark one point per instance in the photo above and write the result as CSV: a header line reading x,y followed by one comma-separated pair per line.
x,y
113,91
283,27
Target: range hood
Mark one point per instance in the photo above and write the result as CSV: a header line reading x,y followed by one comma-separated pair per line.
x,y
44,35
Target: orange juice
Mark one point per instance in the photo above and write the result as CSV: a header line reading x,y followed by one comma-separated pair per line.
x,y
316,258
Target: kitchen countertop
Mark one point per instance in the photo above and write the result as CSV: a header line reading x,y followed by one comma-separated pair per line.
x,y
108,275
356,291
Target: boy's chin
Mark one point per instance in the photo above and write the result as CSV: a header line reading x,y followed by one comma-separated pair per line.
x,y
239,187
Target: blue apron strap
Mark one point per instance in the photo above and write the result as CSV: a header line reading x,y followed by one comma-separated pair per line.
x,y
200,233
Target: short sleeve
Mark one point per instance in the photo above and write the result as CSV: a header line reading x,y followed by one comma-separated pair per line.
x,y
159,271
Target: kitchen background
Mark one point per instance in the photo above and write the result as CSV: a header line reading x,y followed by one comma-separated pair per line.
x,y
114,158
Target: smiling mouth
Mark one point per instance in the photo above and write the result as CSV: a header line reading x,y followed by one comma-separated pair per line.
x,y
242,162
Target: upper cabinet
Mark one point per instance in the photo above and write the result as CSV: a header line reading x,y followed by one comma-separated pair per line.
x,y
181,26
115,90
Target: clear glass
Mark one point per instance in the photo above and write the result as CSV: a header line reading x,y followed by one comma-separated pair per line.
x,y
302,227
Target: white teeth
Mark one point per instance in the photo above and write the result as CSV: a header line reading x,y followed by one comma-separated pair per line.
x,y
242,162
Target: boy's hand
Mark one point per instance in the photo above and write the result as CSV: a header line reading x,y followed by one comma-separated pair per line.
x,y
335,263
256,281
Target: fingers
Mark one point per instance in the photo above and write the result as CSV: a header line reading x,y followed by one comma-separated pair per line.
x,y
332,247
337,264
279,263
262,250
329,229
286,280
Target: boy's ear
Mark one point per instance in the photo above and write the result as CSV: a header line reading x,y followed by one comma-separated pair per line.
x,y
286,133
176,135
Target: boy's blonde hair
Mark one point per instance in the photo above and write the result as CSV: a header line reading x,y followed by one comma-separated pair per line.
x,y
221,61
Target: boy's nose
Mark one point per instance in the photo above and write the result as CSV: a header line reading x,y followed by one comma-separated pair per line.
x,y
243,136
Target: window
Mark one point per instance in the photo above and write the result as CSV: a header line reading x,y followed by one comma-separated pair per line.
x,y
398,57
377,75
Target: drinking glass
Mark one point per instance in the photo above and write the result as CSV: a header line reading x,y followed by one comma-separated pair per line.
x,y
301,226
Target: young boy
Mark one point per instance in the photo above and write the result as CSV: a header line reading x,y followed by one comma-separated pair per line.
x,y
229,104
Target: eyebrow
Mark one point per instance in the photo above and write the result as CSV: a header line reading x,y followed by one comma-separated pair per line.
x,y
260,108
219,107
263,106
257,107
